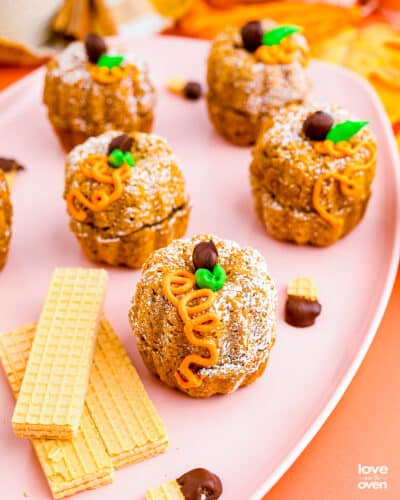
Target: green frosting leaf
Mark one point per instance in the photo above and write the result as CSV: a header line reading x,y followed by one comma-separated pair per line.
x,y
344,131
109,61
213,280
128,158
116,158
276,35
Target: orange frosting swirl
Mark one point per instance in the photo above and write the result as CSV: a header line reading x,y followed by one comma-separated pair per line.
x,y
348,184
96,167
102,74
284,53
177,287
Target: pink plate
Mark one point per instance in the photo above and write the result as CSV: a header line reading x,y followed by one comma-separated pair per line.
x,y
250,437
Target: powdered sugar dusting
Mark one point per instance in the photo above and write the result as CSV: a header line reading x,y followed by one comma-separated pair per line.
x,y
246,306
78,102
238,81
154,191
71,63
289,143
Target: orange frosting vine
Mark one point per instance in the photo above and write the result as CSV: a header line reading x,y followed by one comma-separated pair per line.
x,y
348,185
283,53
178,288
102,74
96,167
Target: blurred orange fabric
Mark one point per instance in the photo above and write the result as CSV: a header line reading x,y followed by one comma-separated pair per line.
x,y
365,43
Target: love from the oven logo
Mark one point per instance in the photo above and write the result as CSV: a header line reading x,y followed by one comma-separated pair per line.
x,y
373,477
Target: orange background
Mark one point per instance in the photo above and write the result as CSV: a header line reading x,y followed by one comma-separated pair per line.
x,y
363,429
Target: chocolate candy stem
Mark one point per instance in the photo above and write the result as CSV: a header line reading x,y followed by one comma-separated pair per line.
x,y
95,47
124,142
205,255
252,34
317,125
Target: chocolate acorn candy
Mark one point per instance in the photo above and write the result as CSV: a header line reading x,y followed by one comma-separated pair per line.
x,y
199,484
205,255
252,33
317,126
190,89
123,142
302,306
10,165
95,46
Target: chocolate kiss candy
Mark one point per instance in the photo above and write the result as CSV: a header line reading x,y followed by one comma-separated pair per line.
x,y
95,46
192,90
252,34
301,312
200,484
317,126
123,142
205,255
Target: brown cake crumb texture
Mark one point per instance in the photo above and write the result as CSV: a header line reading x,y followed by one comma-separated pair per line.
x,y
153,210
79,107
283,173
246,306
5,219
244,91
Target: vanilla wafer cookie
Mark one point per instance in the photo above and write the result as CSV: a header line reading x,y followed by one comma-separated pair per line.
x,y
52,395
10,178
70,466
127,421
167,491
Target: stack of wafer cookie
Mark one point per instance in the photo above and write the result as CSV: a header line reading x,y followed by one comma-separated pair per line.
x,y
98,413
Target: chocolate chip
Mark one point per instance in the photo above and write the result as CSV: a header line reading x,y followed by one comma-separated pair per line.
x,y
123,142
205,255
252,34
10,165
317,126
192,90
95,46
200,484
301,312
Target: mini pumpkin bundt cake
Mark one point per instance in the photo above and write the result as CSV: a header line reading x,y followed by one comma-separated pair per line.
x,y
252,72
5,219
311,174
126,197
91,88
204,314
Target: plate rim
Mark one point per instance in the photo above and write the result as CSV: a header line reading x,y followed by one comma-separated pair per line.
x,y
313,429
